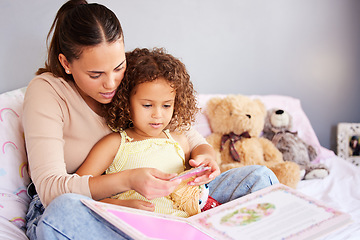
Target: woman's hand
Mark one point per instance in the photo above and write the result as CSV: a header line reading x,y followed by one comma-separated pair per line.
x,y
204,155
151,183
132,203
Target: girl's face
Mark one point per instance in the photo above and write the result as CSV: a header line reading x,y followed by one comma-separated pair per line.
x,y
152,107
98,72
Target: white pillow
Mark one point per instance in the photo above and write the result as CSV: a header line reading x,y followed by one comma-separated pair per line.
x,y
13,164
301,123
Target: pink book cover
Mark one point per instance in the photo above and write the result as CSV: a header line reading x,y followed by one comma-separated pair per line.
x,y
276,212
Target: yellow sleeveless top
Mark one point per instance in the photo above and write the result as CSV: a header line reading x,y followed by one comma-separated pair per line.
x,y
164,154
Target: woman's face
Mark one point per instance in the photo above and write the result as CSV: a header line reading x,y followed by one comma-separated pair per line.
x,y
98,72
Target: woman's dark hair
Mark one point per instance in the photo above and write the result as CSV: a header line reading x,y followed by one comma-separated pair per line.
x,y
78,25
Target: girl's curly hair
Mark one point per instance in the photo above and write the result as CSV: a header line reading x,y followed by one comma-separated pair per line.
x,y
144,65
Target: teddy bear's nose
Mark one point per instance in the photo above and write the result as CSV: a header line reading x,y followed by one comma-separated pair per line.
x,y
279,112
248,115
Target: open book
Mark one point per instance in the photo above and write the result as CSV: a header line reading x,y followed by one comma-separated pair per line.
x,y
276,212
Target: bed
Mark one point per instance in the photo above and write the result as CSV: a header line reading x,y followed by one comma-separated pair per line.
x,y
339,190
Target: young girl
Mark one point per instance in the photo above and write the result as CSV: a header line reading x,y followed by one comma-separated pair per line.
x,y
154,105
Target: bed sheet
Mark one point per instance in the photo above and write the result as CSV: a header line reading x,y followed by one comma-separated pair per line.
x,y
339,190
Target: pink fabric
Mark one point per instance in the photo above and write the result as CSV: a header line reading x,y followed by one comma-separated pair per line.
x,y
159,228
13,168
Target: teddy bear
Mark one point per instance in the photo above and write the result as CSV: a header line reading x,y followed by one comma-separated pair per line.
x,y
278,124
236,122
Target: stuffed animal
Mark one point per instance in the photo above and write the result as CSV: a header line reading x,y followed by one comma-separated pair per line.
x,y
236,122
192,199
278,124
187,198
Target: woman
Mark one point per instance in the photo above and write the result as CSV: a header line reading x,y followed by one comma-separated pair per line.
x,y
62,120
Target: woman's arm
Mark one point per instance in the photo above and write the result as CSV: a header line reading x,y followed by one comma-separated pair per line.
x,y
51,137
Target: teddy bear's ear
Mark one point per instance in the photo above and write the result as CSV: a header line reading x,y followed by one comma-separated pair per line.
x,y
212,104
290,120
261,106
267,124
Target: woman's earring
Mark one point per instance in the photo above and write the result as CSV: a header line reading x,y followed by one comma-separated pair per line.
x,y
68,71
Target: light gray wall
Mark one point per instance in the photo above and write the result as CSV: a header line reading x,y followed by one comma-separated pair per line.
x,y
308,49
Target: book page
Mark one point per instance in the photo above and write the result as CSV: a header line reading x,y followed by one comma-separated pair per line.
x,y
146,225
277,214
160,228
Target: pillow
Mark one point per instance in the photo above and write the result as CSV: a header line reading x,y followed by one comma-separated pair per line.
x,y
301,123
13,164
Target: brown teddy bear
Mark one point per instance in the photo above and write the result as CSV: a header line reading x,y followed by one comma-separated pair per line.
x,y
278,124
236,122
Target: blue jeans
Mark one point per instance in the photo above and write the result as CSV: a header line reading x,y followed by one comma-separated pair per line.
x,y
67,218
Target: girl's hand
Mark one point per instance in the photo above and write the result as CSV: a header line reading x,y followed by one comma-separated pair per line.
x,y
132,203
151,183
208,161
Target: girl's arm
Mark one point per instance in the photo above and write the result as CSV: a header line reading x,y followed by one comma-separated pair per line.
x,y
98,160
101,156
147,181
202,153
184,144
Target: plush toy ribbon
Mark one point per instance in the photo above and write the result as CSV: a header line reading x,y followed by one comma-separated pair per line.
x,y
279,134
233,139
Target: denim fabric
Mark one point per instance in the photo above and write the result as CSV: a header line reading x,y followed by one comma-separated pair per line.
x,y
238,182
67,218
33,216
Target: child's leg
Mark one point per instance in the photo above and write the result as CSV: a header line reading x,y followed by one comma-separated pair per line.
x,y
67,218
238,182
